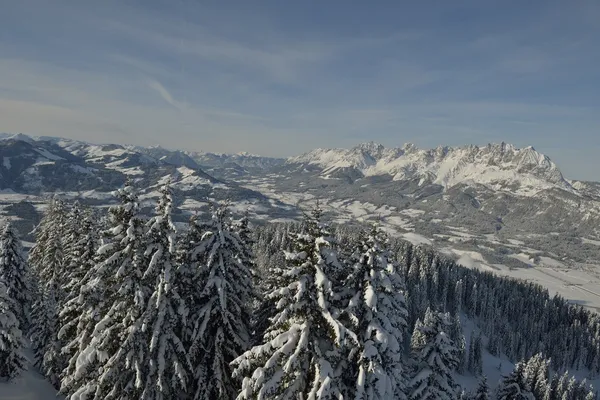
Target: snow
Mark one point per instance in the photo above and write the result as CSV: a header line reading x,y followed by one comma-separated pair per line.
x,y
6,162
494,368
523,257
576,286
188,180
590,241
411,212
550,262
48,155
498,166
415,238
82,170
30,386
191,204
42,162
472,259
131,171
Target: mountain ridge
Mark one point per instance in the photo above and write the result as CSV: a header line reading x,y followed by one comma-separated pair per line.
x,y
498,165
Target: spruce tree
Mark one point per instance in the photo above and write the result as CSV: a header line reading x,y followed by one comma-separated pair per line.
x,y
165,360
377,311
15,274
46,260
80,248
302,348
471,355
114,299
219,320
551,392
478,356
483,390
436,358
150,360
12,360
515,386
537,374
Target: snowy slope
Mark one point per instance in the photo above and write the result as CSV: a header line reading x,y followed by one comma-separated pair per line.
x,y
30,386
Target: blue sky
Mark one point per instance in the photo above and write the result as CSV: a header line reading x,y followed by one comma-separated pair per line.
x,y
279,77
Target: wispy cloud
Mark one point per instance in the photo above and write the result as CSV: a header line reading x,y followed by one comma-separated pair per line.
x,y
164,93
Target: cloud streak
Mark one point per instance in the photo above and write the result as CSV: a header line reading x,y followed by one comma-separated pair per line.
x,y
164,93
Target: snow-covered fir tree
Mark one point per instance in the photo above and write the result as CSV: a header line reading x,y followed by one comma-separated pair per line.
x,y
377,312
303,347
138,340
436,359
241,228
157,333
483,390
15,274
81,243
477,356
12,360
515,386
537,374
114,299
219,303
551,392
46,259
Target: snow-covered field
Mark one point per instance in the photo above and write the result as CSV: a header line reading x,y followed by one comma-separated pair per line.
x,y
577,286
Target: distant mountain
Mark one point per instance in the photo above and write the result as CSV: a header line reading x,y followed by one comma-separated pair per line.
x,y
497,166
508,205
42,166
232,166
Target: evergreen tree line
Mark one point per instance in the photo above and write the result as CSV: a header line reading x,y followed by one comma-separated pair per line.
x,y
518,318
127,308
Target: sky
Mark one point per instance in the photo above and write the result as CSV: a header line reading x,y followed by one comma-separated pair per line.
x,y
279,78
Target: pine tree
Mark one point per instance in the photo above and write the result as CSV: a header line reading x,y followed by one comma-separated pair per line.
x,y
14,272
436,358
483,390
378,314
303,346
514,386
114,299
12,360
219,317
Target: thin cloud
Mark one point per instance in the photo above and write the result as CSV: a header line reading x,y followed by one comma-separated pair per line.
x,y
164,93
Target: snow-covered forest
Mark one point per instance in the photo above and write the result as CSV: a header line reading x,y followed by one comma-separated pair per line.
x,y
125,306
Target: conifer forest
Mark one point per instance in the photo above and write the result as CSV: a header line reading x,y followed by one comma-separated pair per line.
x,y
124,305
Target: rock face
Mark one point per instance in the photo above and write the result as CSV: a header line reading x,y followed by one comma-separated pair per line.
x,y
499,166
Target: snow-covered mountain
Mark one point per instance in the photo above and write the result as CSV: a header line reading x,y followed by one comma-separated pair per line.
x,y
498,166
482,192
42,166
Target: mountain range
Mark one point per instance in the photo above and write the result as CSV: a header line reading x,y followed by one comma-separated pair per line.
x,y
500,203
